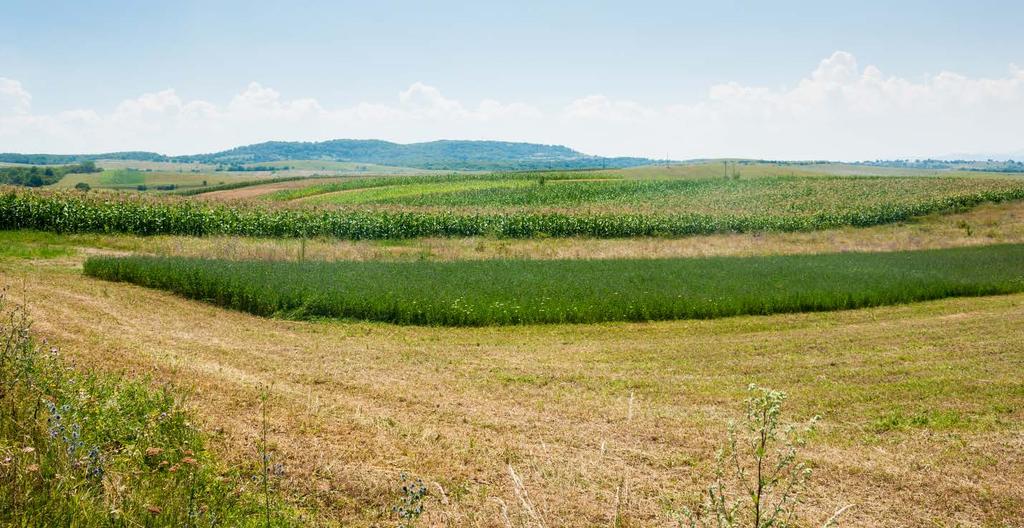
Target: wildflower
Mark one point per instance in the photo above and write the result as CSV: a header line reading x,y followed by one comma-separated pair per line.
x,y
174,468
32,468
189,461
95,468
154,451
155,510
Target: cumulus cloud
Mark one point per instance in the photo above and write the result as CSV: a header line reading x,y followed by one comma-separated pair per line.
x,y
260,102
14,99
165,122
601,107
838,110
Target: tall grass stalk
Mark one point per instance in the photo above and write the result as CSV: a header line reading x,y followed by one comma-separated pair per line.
x,y
500,292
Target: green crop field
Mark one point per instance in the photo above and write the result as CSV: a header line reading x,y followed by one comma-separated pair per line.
x,y
782,195
155,166
131,179
502,292
512,208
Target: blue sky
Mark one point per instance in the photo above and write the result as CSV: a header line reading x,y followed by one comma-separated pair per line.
x,y
642,58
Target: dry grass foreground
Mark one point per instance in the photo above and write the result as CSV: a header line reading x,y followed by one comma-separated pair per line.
x,y
922,404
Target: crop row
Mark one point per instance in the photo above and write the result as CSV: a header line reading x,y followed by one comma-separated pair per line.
x,y
756,196
73,212
499,292
451,178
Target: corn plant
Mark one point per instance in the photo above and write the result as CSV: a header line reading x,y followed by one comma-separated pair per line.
x,y
512,209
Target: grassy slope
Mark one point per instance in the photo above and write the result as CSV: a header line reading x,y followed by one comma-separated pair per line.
x,y
922,404
343,167
519,292
125,179
127,175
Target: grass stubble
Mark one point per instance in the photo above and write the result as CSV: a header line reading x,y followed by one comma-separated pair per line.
x,y
921,404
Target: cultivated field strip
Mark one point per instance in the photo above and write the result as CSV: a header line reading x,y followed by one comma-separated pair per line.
x,y
686,208
507,292
754,197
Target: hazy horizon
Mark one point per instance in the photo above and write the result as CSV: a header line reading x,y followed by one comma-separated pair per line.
x,y
685,80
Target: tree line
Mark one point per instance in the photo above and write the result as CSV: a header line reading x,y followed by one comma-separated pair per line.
x,y
36,176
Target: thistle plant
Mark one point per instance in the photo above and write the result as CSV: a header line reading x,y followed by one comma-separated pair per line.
x,y
759,476
410,504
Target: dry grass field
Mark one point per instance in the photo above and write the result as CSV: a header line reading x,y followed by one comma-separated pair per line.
x,y
922,405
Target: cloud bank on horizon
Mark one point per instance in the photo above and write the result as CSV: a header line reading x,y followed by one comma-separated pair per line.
x,y
840,111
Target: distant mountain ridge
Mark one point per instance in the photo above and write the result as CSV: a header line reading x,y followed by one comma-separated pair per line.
x,y
442,154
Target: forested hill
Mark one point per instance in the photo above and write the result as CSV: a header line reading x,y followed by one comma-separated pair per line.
x,y
447,154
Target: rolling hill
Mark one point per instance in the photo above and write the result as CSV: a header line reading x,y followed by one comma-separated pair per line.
x,y
444,154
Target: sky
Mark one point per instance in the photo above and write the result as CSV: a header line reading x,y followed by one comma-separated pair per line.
x,y
677,79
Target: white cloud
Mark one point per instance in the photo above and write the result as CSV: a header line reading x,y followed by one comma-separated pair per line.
x,y
601,107
260,102
839,110
165,122
421,100
14,99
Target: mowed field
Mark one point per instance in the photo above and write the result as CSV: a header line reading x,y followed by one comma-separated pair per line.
x,y
921,404
607,423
